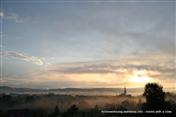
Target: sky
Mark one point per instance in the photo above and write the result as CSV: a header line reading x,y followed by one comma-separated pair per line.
x,y
87,44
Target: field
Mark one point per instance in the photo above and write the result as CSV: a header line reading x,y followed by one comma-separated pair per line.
x,y
46,105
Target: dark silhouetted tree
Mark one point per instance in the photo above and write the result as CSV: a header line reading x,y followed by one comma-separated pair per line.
x,y
155,97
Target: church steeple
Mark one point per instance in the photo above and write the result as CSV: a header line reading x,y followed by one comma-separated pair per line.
x,y
124,93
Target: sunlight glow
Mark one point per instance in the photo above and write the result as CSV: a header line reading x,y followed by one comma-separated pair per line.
x,y
140,77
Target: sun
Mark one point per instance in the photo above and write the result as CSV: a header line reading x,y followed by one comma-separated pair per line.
x,y
140,77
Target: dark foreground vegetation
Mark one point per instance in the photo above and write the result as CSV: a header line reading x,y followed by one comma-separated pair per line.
x,y
154,102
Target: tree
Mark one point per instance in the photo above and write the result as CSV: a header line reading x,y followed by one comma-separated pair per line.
x,y
56,111
71,111
155,97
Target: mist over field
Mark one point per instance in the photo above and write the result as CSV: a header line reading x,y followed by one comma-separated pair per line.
x,y
77,91
75,101
47,102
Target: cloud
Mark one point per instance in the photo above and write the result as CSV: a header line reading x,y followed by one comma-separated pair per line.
x,y
1,14
106,69
90,74
24,57
15,17
104,74
11,16
117,66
